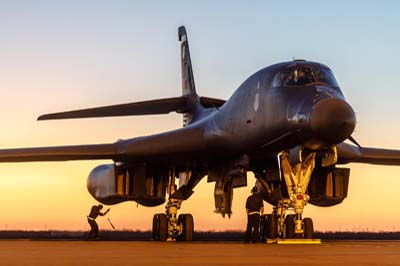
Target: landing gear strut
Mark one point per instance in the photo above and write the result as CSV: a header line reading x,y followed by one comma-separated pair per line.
x,y
297,177
169,226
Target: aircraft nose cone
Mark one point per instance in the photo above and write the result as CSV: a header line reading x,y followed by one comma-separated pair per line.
x,y
332,120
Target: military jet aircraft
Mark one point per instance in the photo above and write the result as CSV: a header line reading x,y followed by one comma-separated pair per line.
x,y
286,123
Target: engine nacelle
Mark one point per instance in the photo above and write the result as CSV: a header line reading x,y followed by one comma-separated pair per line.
x,y
102,186
112,184
328,186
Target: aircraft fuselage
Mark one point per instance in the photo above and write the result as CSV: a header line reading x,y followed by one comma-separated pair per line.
x,y
263,116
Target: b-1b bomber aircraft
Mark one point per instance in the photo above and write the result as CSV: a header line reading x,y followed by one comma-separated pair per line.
x,y
286,123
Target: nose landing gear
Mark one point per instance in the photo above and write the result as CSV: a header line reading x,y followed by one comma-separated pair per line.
x,y
280,226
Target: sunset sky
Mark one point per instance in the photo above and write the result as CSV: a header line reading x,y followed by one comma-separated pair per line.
x,y
65,55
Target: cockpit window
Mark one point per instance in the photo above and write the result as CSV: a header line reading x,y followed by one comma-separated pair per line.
x,y
297,76
326,76
304,75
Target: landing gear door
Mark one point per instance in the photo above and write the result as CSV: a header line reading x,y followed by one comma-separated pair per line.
x,y
228,175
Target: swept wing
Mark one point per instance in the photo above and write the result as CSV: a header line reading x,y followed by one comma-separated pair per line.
x,y
348,153
177,144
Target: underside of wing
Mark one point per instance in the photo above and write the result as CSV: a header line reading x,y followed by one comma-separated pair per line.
x,y
352,154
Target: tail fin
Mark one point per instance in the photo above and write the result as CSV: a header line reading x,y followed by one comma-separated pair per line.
x,y
188,86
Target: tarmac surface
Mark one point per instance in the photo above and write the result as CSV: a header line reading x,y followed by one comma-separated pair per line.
x,y
26,252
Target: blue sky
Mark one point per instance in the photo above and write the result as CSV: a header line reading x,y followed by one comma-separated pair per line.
x,y
129,40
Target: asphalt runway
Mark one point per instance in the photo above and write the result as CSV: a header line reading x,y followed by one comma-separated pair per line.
x,y
25,252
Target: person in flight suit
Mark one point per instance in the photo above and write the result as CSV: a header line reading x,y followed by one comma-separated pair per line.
x,y
254,207
94,228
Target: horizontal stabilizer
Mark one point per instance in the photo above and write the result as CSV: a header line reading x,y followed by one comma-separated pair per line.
x,y
161,106
207,102
352,154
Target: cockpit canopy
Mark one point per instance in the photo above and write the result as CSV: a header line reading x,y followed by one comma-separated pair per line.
x,y
302,75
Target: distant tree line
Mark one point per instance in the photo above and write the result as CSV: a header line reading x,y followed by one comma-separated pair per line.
x,y
198,236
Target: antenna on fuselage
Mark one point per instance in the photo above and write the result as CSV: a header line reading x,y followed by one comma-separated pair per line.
x,y
298,59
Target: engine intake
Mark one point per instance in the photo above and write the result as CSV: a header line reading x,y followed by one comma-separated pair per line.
x,y
328,186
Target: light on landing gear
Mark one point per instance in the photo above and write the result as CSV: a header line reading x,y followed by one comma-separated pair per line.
x,y
299,197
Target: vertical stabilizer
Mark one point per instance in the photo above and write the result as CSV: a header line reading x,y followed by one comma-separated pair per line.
x,y
188,86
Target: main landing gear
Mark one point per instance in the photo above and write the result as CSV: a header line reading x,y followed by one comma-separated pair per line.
x,y
168,226
279,225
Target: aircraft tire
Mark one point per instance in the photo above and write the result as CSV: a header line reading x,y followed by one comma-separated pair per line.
x,y
186,221
160,227
272,226
308,228
263,228
289,222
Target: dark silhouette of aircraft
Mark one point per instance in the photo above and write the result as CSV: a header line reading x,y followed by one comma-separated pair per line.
x,y
286,123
